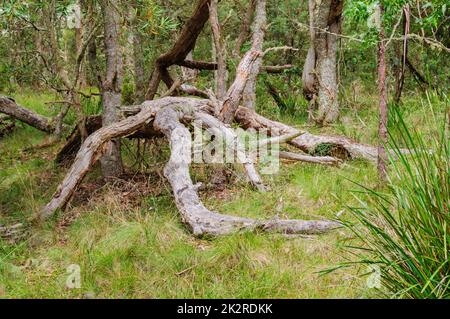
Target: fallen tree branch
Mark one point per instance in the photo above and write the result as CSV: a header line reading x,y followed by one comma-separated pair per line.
x,y
307,142
201,221
10,107
91,150
325,160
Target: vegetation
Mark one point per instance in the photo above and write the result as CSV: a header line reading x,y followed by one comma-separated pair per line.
x,y
77,72
405,228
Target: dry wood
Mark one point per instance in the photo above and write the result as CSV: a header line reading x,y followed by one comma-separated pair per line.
x,y
325,160
10,107
200,220
306,142
93,148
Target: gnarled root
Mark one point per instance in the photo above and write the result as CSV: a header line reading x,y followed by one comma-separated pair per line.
x,y
92,148
200,220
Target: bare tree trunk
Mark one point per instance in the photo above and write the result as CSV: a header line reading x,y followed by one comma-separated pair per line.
x,y
221,75
328,23
320,70
245,27
382,131
258,26
138,59
111,161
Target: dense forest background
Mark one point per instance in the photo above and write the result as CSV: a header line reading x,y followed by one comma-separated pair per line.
x,y
74,64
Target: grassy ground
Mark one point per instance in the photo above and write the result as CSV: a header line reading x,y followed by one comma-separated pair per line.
x,y
127,236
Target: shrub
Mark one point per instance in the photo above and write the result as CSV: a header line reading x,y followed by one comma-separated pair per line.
x,y
405,229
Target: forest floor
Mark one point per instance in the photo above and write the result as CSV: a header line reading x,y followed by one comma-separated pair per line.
x,y
128,239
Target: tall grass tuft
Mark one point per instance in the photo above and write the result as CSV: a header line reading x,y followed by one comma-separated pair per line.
x,y
404,230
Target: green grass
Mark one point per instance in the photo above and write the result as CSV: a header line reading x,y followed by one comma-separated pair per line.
x,y
405,229
139,247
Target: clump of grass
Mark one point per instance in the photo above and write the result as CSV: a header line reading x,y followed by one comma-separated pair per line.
x,y
405,231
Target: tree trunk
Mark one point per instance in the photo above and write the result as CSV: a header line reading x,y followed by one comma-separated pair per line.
x,y
382,131
258,26
111,161
139,60
320,70
219,46
308,76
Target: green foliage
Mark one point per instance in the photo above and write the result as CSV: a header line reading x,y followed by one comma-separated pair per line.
x,y
405,229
